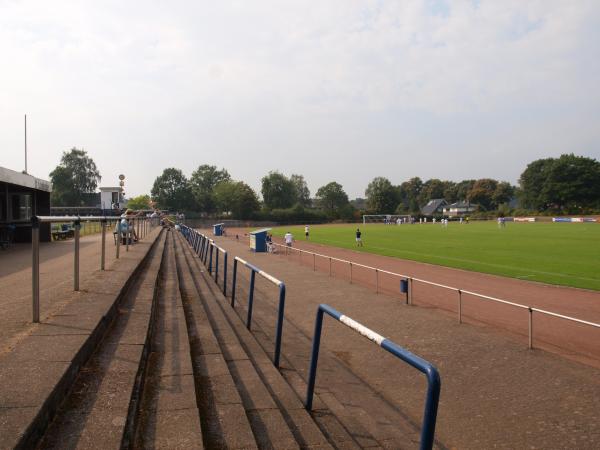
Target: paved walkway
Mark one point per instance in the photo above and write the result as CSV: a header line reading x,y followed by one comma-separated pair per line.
x,y
56,281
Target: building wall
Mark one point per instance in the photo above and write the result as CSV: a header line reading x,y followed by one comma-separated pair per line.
x,y
17,206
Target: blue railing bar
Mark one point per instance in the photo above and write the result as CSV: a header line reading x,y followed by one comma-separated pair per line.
x,y
264,274
233,282
202,246
280,311
279,332
432,374
250,299
225,274
216,265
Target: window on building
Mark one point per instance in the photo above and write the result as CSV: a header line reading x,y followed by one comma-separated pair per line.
x,y
2,208
21,206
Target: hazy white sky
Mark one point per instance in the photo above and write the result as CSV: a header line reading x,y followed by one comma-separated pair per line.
x,y
334,90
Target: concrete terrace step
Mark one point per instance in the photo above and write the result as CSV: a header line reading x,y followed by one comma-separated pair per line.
x,y
339,390
332,416
222,414
276,414
52,355
95,413
168,415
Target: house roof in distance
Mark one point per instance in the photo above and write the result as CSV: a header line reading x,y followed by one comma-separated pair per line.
x,y
461,204
24,179
433,205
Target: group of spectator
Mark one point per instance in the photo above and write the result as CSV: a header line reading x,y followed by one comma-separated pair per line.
x,y
127,227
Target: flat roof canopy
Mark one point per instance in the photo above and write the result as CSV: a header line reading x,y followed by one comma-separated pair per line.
x,y
23,179
262,230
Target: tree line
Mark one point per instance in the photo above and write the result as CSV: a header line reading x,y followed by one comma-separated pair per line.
x,y
569,184
212,191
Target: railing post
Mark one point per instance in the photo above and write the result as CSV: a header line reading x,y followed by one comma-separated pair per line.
x,y
350,273
118,237
314,358
376,281
35,268
210,259
279,333
314,262
410,291
459,306
225,274
233,280
330,266
127,235
530,328
250,299
217,266
103,256
77,225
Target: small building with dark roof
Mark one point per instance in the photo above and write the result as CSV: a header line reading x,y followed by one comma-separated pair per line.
x,y
460,208
21,197
434,206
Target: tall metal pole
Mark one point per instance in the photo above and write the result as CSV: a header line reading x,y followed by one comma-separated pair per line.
x,y
76,260
35,268
118,237
103,257
25,143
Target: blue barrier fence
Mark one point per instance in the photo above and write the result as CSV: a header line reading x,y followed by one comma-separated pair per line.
x,y
279,325
433,377
205,248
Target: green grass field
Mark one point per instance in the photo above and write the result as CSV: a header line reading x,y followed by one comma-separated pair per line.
x,y
557,253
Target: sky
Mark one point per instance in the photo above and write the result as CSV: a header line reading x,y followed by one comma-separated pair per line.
x,y
338,90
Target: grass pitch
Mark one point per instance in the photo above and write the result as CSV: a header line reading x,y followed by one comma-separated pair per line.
x,y
557,253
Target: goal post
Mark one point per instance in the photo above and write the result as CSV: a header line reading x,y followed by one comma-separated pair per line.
x,y
390,219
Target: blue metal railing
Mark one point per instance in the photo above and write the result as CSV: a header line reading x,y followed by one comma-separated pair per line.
x,y
433,377
203,246
253,271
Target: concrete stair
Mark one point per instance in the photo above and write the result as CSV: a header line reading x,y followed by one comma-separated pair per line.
x,y
274,415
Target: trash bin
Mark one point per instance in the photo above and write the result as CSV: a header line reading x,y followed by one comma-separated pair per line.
x,y
404,286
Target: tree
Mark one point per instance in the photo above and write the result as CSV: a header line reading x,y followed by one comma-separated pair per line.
x,y
503,194
382,197
332,198
203,183
139,202
463,188
236,197
278,191
430,190
482,193
450,191
409,192
569,183
75,176
302,191
171,190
